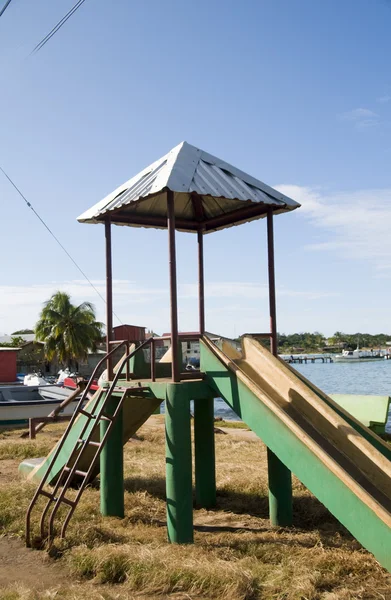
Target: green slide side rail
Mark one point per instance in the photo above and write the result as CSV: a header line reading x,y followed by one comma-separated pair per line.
x,y
368,528
371,411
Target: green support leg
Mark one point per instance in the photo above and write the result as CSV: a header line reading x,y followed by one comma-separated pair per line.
x,y
112,466
280,491
178,467
204,444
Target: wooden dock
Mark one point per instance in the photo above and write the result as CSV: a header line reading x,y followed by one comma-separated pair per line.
x,y
307,359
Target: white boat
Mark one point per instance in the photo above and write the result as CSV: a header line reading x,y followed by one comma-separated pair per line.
x,y
34,379
19,403
357,355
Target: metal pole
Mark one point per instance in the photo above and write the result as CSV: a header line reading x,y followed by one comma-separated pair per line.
x,y
173,286
204,453
127,362
153,365
280,478
109,298
201,294
179,490
272,283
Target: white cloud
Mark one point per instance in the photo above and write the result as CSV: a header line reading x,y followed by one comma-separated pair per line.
x,y
356,224
362,118
248,290
149,306
383,99
359,113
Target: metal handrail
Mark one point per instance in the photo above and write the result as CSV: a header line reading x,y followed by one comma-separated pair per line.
x,y
74,467
125,361
63,438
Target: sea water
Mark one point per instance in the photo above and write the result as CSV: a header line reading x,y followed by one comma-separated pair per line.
x,y
372,378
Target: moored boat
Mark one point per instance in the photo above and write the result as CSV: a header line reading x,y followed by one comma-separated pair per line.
x,y
20,403
358,355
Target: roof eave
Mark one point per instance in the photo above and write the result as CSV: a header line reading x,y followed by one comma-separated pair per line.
x,y
250,212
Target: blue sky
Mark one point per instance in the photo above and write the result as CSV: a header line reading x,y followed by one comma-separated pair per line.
x,y
296,93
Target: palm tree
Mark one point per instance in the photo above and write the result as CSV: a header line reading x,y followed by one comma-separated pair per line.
x,y
68,331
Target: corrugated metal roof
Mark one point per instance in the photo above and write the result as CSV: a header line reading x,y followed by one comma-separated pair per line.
x,y
187,171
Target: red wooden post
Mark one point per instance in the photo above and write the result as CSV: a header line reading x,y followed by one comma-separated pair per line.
x,y
201,293
173,286
109,298
272,283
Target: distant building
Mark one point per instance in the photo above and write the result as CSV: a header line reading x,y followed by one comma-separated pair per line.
x,y
132,333
8,364
191,348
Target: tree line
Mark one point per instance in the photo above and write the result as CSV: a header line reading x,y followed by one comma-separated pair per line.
x,y
317,341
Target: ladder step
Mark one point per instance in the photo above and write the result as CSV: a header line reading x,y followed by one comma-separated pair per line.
x,y
68,502
96,444
81,473
54,498
47,495
106,418
86,414
76,472
90,442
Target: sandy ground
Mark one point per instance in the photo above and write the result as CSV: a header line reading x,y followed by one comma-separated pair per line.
x,y
19,565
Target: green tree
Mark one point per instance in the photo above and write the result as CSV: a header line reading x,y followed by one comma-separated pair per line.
x,y
22,331
68,331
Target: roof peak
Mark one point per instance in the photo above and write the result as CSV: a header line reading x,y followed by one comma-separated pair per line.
x,y
190,173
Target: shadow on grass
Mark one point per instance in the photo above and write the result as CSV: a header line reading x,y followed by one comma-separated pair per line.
x,y
308,512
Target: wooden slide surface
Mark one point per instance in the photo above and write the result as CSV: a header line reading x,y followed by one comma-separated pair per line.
x,y
343,463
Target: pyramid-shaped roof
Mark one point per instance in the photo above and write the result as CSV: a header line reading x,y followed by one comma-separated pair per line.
x,y
207,191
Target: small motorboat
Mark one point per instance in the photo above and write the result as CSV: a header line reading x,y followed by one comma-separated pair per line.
x,y
19,403
357,355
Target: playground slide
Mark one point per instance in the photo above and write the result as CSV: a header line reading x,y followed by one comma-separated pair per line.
x,y
339,460
136,411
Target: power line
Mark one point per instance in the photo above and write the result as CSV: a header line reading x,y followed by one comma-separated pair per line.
x,y
2,10
57,240
56,28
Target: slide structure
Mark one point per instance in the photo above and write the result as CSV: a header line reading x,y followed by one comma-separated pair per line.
x,y
136,411
345,465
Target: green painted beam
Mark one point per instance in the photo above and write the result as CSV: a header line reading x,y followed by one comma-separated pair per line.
x,y
280,491
179,490
192,389
342,501
112,465
371,411
204,453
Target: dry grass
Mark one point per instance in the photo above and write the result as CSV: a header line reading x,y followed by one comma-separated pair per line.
x,y
231,424
237,555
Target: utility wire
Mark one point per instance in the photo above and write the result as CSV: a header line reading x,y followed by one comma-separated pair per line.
x,y
58,26
57,240
2,10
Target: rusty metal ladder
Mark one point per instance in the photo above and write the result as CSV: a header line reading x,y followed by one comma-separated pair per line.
x,y
93,417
